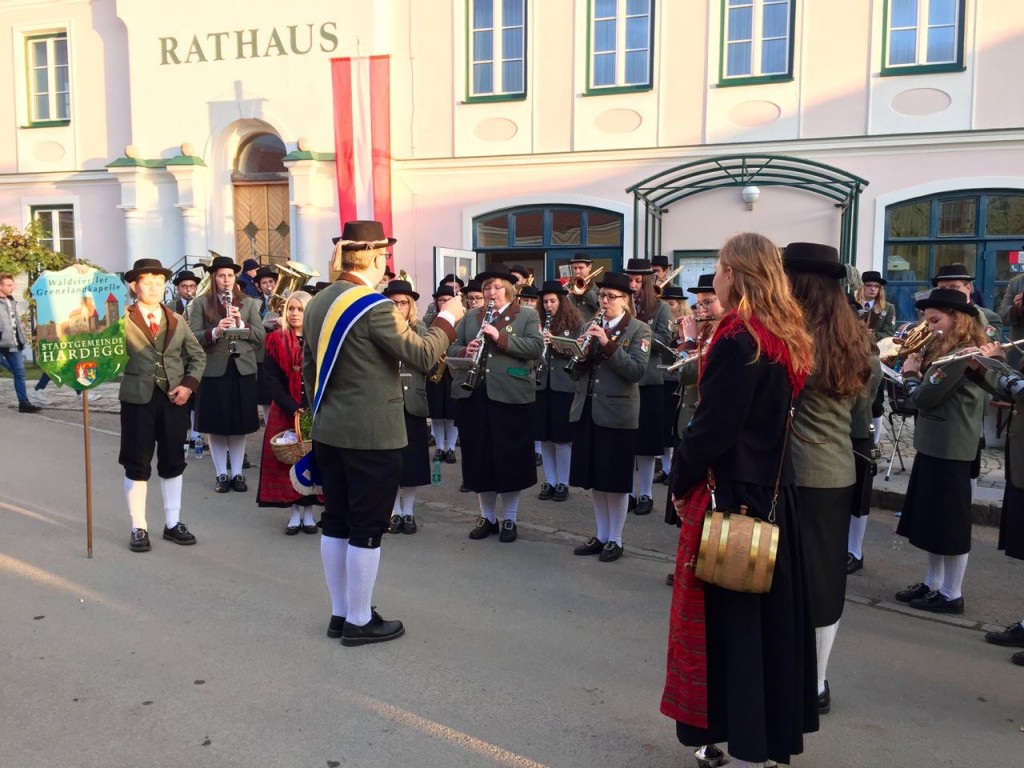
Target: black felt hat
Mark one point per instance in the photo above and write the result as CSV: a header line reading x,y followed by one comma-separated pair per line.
x,y
146,267
363,236
499,271
660,261
873,277
705,284
443,290
580,258
520,269
453,279
473,286
223,262
813,257
672,292
947,298
529,291
250,264
265,272
616,281
553,286
400,286
185,274
638,267
952,272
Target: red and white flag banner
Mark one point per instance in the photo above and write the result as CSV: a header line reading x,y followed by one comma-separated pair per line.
x,y
362,138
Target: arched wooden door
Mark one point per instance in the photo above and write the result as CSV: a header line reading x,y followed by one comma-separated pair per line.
x,y
262,214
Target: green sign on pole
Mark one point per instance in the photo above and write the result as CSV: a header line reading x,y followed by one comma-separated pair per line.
x,y
80,312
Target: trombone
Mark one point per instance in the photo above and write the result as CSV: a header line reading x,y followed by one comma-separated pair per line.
x,y
580,285
660,285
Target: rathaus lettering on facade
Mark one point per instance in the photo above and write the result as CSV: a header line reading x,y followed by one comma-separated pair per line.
x,y
293,40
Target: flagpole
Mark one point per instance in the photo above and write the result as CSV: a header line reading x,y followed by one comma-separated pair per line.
x,y
88,473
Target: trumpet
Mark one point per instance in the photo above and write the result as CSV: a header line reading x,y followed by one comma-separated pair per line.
x,y
473,378
577,360
964,355
580,285
660,285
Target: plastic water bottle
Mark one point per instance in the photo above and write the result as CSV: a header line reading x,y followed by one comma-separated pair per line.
x,y
435,472
199,448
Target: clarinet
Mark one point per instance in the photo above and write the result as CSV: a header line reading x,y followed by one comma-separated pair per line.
x,y
547,345
473,379
232,344
579,357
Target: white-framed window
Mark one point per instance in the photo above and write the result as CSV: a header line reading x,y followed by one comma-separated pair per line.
x,y
497,48
621,36
923,33
49,78
57,223
757,38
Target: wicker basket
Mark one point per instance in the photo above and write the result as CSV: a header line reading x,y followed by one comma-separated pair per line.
x,y
290,453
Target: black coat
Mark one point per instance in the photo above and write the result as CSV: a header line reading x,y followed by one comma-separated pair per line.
x,y
739,425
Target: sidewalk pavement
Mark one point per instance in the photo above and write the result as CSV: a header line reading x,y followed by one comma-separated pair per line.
x,y
887,493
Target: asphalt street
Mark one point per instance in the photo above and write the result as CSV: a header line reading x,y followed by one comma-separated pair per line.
x,y
515,654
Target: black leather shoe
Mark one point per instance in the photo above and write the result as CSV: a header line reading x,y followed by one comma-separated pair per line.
x,y
631,507
709,756
449,456
438,455
179,534
670,580
547,491
245,461
223,484
408,524
395,524
335,627
561,492
611,551
238,484
292,530
591,546
853,564
913,592
825,701
484,528
509,532
1011,637
376,630
139,541
644,505
464,489
310,528
936,602
660,477
26,407
1018,659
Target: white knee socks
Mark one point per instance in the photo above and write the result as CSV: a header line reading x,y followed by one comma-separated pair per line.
x,y
936,568
294,520
618,508
601,514
488,500
666,460
408,500
437,430
135,493
825,637
855,538
547,451
877,424
644,475
953,581
236,450
219,453
170,489
307,516
334,553
510,505
563,459
451,433
361,567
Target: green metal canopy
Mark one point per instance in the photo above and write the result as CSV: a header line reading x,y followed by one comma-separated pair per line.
x,y
658,192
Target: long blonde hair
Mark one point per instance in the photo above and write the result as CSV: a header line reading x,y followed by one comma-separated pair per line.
x,y
880,304
966,332
760,287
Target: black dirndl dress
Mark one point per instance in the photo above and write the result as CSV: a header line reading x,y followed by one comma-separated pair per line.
x,y
860,504
416,454
226,405
551,416
669,407
440,404
824,519
1011,524
937,508
602,458
497,444
650,434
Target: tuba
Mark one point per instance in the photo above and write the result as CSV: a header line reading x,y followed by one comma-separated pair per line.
x,y
291,276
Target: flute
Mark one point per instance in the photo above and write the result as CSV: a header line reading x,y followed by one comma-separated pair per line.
x,y
962,355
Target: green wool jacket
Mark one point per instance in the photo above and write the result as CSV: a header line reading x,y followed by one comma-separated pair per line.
x,y
173,358
219,352
950,408
822,454
611,376
508,364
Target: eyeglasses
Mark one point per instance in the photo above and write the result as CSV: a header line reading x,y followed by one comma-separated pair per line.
x,y
402,303
708,303
443,299
610,296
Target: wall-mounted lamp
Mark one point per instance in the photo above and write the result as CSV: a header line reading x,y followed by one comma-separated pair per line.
x,y
749,195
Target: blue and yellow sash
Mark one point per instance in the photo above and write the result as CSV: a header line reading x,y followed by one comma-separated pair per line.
x,y
344,312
